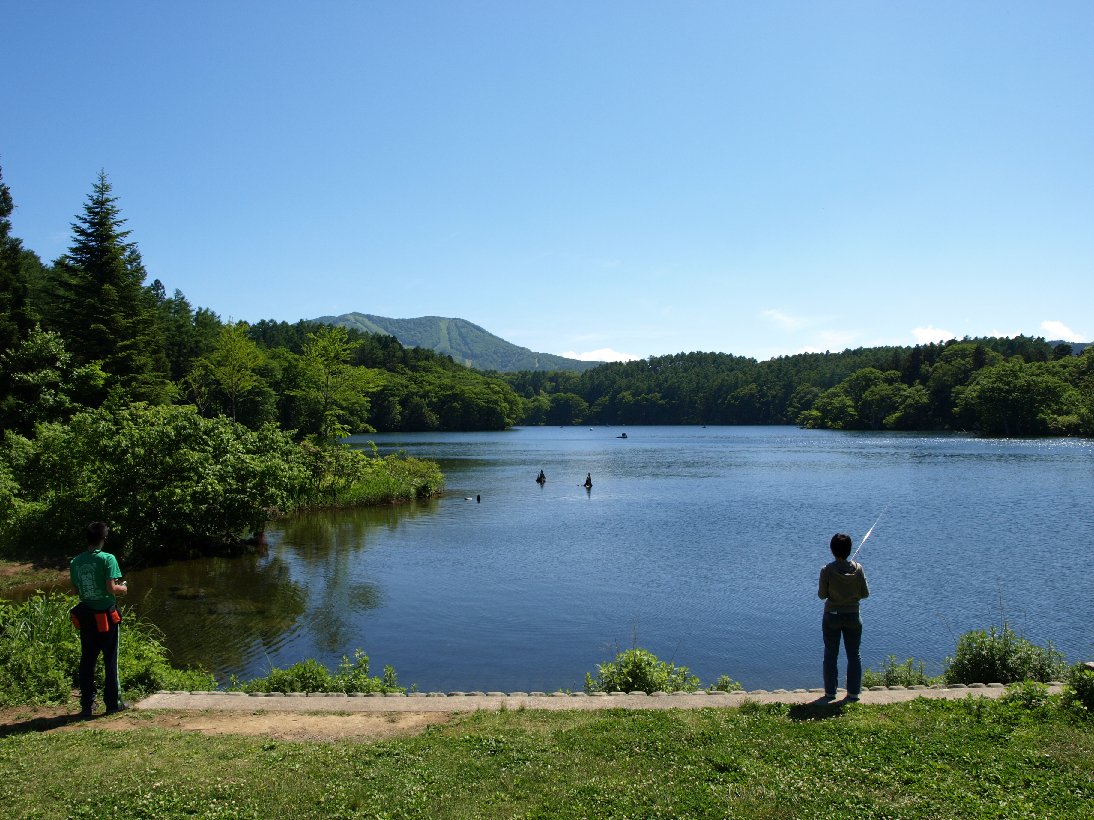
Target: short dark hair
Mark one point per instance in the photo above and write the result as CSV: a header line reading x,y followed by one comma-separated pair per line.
x,y
96,533
841,545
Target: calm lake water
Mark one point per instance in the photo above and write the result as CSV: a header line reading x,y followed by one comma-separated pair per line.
x,y
700,544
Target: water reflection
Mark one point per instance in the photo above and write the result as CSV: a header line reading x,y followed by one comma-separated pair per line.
x,y
330,546
315,535
220,613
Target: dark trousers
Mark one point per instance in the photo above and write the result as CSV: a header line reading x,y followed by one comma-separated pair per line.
x,y
845,625
92,643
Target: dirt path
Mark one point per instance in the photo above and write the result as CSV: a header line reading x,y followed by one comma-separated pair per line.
x,y
292,726
327,718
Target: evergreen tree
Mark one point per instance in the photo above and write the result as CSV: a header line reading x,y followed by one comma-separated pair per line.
x,y
42,384
101,307
187,333
15,318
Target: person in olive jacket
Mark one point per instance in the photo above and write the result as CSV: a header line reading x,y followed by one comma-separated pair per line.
x,y
842,586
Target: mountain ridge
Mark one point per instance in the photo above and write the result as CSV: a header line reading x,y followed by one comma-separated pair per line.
x,y
475,347
467,343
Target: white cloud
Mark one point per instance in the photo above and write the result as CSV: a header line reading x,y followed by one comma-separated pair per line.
x,y
829,340
1058,330
604,354
837,339
783,320
925,335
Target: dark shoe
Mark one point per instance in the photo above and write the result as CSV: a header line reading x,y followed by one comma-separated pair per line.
x,y
113,710
87,714
852,698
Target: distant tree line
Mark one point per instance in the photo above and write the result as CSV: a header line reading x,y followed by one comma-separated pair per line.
x,y
996,386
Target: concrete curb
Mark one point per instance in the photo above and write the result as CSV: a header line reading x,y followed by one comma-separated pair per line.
x,y
553,701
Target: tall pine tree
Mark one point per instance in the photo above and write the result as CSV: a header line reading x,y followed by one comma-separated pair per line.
x,y
15,316
101,307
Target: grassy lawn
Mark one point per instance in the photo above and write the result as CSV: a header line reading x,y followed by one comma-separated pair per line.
x,y
932,759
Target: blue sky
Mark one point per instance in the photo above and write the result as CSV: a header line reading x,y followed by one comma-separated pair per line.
x,y
599,179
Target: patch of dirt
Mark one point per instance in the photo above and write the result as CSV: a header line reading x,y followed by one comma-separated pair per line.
x,y
290,726
52,567
10,568
19,579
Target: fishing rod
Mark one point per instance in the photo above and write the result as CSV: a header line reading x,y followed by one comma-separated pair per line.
x,y
870,531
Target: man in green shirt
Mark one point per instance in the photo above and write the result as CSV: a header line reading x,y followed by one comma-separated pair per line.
x,y
95,576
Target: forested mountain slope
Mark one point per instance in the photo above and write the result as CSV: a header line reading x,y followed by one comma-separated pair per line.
x,y
465,342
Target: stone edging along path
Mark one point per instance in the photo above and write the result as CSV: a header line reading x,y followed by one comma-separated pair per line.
x,y
553,701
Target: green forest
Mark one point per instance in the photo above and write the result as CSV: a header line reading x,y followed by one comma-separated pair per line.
x,y
119,400
1000,387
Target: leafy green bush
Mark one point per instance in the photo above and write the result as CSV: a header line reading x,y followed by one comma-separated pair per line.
x,y
40,655
9,495
639,670
306,676
163,477
908,673
1080,687
342,476
1027,694
725,684
39,651
1002,656
170,482
311,676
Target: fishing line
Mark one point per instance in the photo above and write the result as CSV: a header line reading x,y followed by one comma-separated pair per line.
x,y
949,626
870,531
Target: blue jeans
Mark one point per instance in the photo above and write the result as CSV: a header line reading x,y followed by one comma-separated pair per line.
x,y
848,626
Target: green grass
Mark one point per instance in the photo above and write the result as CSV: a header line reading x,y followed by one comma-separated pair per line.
x,y
351,479
935,759
40,654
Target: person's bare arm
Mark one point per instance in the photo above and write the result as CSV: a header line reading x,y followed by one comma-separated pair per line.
x,y
117,587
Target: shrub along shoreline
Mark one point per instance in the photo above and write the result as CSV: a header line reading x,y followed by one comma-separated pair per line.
x,y
1028,753
39,658
172,483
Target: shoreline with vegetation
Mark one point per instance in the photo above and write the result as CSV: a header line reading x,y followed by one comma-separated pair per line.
x,y
172,483
1028,752
39,656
